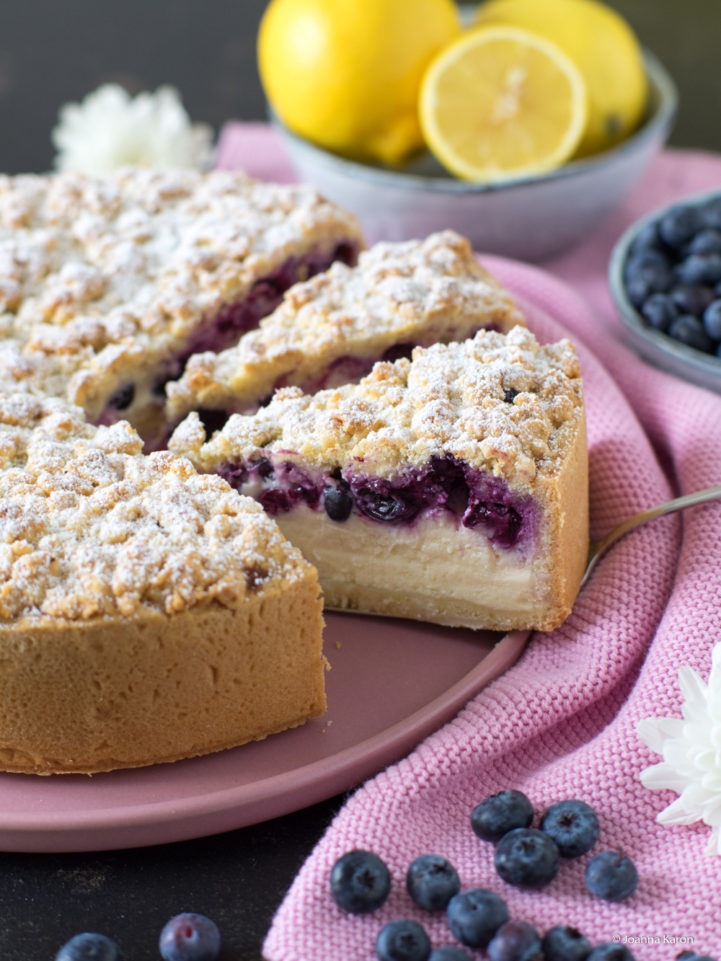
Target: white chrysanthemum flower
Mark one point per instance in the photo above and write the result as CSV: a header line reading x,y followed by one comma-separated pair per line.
x,y
691,750
111,129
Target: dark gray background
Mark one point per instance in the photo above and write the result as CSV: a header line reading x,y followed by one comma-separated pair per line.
x,y
54,51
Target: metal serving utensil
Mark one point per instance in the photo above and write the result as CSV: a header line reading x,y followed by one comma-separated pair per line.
x,y
599,547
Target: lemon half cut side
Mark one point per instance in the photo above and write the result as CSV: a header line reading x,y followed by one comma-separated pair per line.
x,y
500,103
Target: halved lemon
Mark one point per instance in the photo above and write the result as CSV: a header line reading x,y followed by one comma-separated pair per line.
x,y
501,103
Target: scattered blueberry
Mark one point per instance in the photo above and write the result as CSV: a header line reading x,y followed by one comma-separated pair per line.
x,y
449,952
610,951
337,503
432,881
475,915
189,937
89,946
527,858
516,941
712,319
403,941
359,882
611,875
689,330
564,943
499,813
573,825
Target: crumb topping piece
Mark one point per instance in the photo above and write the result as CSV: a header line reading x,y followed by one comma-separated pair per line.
x,y
408,293
100,277
501,403
90,527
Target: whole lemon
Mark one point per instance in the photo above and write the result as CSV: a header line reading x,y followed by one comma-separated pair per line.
x,y
346,73
603,47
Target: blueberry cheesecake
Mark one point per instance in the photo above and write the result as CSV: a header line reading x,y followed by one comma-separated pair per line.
x,y
147,612
448,487
332,328
108,285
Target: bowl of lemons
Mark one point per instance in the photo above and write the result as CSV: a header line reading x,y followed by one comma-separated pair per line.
x,y
520,125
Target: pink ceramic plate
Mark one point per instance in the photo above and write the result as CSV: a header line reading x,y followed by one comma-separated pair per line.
x,y
391,684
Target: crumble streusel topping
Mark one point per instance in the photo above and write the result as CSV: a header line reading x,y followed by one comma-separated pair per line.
x,y
101,277
503,404
91,527
412,292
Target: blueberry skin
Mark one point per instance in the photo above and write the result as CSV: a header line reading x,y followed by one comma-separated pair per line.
x,y
338,503
527,858
573,825
403,941
359,882
516,941
706,241
692,298
449,952
608,951
712,320
89,946
189,937
679,224
692,956
689,330
564,943
710,213
611,875
659,310
431,882
499,813
702,269
475,915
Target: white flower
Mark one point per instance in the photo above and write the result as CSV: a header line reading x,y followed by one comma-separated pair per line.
x,y
691,750
111,129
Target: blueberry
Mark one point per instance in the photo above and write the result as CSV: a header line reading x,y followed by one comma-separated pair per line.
x,y
449,952
692,956
573,825
659,310
647,238
712,319
499,813
475,915
564,943
706,241
609,951
432,881
646,274
611,875
89,946
689,330
403,941
692,298
679,224
527,858
701,269
189,937
122,398
516,941
710,212
337,503
359,882
649,263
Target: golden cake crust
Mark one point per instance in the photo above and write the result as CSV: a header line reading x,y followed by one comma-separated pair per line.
x,y
415,292
146,613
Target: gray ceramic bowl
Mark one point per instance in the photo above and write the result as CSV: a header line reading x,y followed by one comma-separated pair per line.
x,y
662,351
528,219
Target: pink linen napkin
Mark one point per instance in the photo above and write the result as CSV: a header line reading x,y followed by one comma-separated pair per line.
x,y
562,721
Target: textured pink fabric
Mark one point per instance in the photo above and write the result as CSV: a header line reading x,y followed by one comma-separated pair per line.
x,y
562,722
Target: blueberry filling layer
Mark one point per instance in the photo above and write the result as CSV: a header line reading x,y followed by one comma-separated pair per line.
x,y
235,319
445,484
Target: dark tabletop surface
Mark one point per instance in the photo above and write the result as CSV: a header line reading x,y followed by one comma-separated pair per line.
x,y
53,52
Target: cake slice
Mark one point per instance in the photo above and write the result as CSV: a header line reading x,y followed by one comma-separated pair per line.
x,y
147,613
332,329
108,285
451,487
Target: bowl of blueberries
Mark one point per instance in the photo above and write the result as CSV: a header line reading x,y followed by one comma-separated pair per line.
x,y
665,278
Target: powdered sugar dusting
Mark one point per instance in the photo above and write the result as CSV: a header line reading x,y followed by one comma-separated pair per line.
x,y
90,527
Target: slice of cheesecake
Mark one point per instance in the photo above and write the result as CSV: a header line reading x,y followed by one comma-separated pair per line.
x,y
147,613
451,487
331,329
108,285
